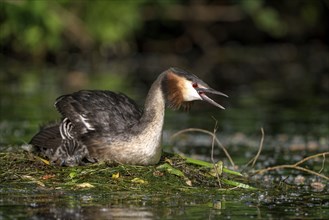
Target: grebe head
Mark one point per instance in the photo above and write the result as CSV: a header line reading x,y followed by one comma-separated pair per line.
x,y
181,88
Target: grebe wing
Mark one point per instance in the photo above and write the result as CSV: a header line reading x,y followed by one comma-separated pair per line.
x,y
48,137
96,110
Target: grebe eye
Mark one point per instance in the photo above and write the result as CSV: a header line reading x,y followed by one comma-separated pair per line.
x,y
194,85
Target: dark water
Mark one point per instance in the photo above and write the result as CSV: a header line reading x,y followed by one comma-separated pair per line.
x,y
291,133
124,205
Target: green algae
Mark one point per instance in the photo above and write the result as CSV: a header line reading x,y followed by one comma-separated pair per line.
x,y
29,187
173,174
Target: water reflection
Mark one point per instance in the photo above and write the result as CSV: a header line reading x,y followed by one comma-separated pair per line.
x,y
94,212
107,205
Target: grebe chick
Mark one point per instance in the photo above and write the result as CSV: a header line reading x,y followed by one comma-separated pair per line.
x,y
106,126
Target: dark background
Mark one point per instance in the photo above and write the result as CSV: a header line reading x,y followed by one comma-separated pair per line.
x,y
270,57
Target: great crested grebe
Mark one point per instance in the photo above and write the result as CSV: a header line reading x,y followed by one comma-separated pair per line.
x,y
107,126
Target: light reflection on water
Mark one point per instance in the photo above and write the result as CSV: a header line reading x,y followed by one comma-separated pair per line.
x,y
121,205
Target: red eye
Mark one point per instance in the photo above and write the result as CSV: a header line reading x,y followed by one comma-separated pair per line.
x,y
195,85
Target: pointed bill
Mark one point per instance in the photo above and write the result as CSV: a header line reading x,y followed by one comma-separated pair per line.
x,y
204,97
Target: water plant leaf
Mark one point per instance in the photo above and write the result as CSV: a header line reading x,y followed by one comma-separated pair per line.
x,y
210,165
115,175
217,169
188,182
139,181
72,174
84,185
238,184
167,167
43,160
33,180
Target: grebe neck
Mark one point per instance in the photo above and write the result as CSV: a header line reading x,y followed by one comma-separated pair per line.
x,y
149,130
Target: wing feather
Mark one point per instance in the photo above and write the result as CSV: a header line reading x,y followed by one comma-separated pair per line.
x,y
100,111
48,137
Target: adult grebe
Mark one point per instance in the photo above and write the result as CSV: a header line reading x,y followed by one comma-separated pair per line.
x,y
107,126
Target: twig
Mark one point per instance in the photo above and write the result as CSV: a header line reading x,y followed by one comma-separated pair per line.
x,y
213,142
290,167
206,132
295,166
311,157
212,153
260,148
324,159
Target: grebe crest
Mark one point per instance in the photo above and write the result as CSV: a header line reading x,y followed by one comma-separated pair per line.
x,y
181,88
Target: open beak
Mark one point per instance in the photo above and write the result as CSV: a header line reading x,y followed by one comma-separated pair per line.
x,y
202,94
